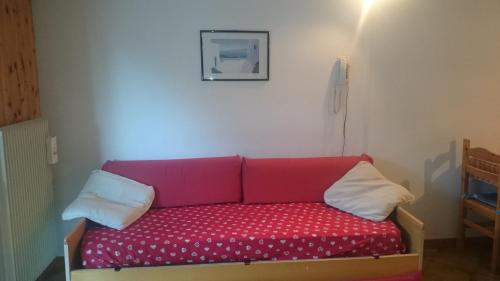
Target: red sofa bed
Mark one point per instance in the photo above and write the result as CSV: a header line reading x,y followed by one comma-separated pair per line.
x,y
229,209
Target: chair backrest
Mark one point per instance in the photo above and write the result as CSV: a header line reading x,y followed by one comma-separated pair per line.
x,y
480,164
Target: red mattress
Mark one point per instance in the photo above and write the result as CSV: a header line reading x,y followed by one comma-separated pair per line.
x,y
237,232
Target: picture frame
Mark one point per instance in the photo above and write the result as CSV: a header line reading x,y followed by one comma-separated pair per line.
x,y
234,55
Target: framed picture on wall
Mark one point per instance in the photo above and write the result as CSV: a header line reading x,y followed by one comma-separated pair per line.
x,y
234,55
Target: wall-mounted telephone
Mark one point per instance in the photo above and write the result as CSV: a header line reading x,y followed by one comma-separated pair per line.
x,y
341,82
342,70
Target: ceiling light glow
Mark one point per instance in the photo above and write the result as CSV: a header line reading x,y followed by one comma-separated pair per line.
x,y
367,5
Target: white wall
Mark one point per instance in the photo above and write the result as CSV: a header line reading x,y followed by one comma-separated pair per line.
x,y
434,79
121,80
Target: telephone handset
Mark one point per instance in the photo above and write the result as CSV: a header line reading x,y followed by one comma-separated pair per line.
x,y
342,71
341,82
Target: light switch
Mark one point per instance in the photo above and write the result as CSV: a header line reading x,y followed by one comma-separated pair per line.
x,y
52,154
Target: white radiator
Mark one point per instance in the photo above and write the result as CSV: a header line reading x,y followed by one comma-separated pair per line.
x,y
28,232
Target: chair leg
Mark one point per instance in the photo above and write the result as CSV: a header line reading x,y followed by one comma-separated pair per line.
x,y
461,228
496,245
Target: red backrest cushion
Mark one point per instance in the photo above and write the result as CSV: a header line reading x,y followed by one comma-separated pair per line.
x,y
184,182
286,180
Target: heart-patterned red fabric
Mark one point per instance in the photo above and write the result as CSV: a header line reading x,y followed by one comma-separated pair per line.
x,y
238,232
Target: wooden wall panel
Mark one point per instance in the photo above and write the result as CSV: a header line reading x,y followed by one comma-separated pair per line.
x,y
19,97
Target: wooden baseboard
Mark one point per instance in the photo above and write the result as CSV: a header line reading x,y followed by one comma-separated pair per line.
x,y
452,242
57,265
434,243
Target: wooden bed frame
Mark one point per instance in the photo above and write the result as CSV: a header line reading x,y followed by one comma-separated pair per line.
x,y
335,269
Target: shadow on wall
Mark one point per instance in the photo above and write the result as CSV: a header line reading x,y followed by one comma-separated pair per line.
x,y
333,135
398,169
441,192
68,96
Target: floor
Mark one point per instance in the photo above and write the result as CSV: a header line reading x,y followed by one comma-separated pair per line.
x,y
441,262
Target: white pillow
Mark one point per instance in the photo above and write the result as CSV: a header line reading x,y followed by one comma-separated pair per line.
x,y
111,200
366,193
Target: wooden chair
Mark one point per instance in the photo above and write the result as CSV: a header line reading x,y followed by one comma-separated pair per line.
x,y
484,166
